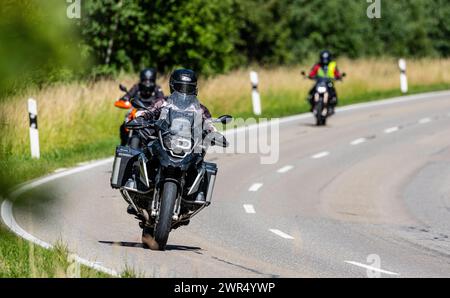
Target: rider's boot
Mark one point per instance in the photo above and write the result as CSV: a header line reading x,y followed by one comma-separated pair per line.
x,y
131,210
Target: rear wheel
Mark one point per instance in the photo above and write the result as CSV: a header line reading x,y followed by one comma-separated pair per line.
x,y
164,224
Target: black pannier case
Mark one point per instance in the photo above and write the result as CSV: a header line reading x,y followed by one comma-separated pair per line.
x,y
123,165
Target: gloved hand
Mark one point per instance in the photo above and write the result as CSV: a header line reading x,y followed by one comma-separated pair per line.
x,y
122,104
216,138
147,115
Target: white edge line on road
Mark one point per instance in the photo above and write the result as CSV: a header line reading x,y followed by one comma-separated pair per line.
x,y
320,155
371,268
285,169
392,129
358,141
9,220
249,209
30,185
281,234
255,187
83,166
424,120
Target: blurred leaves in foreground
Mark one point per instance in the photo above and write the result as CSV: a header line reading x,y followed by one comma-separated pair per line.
x,y
38,44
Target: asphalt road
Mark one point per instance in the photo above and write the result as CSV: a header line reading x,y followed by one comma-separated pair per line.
x,y
368,195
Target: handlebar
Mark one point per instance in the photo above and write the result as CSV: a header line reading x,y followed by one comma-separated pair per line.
x,y
139,123
331,79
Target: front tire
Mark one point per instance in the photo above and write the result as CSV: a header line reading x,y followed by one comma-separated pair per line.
x,y
318,111
164,224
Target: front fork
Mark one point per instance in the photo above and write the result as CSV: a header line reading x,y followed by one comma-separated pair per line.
x,y
156,203
325,97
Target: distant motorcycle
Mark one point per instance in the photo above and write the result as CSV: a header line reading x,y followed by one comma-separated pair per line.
x,y
126,133
164,177
321,98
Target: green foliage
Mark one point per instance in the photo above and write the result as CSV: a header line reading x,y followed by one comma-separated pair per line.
x,y
21,259
213,36
38,44
164,33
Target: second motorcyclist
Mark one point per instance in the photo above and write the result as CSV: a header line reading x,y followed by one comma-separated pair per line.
x,y
183,88
325,68
146,90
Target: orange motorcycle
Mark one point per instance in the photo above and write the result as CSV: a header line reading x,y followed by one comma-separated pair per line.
x,y
125,133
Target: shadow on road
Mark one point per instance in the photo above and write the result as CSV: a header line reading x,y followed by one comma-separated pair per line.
x,y
140,245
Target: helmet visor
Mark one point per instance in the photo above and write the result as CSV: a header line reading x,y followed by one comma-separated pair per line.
x,y
185,88
147,83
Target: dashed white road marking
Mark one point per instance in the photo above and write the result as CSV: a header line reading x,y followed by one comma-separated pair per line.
x,y
424,120
255,187
320,155
371,268
249,209
281,234
392,129
358,141
285,169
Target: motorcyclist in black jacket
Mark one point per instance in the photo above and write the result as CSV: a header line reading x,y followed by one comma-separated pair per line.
x,y
147,91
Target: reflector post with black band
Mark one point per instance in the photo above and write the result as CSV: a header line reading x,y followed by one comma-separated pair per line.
x,y
34,134
256,99
403,77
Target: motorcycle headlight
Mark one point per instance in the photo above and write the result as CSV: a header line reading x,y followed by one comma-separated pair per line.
x,y
177,144
181,143
321,89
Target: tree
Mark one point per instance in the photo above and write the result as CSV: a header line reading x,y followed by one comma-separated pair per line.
x,y
38,44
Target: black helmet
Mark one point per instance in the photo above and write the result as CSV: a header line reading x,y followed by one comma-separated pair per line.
x,y
325,57
147,82
183,81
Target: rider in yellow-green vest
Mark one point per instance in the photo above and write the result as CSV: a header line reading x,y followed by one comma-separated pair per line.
x,y
326,67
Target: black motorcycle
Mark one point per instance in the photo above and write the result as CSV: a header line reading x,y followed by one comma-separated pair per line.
x,y
164,177
321,98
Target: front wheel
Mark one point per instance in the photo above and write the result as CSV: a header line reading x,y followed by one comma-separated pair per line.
x,y
164,224
320,119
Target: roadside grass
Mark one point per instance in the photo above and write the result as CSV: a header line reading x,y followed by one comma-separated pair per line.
x,y
22,259
78,122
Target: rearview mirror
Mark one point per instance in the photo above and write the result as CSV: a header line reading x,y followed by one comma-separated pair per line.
x,y
138,104
225,119
123,88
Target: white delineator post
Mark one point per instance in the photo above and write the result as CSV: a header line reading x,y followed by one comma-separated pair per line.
x,y
256,99
34,134
403,77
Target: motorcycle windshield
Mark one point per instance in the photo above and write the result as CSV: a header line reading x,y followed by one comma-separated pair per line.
x,y
184,116
183,101
181,123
